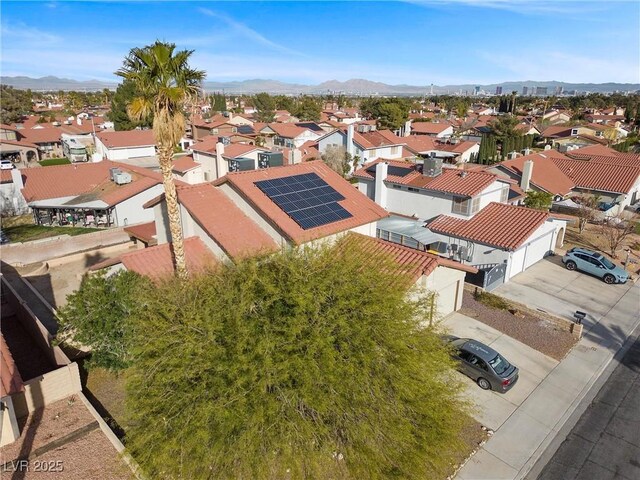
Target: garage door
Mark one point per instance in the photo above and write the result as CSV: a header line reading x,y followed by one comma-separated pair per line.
x,y
447,299
517,262
537,250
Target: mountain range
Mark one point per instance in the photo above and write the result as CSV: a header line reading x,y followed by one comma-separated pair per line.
x,y
349,87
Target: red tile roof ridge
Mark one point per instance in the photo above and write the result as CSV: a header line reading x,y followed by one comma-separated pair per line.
x,y
498,224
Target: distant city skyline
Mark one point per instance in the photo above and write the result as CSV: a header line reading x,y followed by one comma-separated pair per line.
x,y
416,42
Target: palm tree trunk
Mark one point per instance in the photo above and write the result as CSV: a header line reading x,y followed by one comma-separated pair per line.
x,y
173,209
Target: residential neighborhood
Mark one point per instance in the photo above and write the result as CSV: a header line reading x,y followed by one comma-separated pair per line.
x,y
203,279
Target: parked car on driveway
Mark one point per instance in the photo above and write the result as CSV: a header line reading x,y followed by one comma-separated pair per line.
x,y
485,366
6,165
595,264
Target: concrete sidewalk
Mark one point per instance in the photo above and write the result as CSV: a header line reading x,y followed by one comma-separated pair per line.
x,y
523,437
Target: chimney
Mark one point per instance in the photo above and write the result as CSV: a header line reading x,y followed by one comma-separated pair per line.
x,y
527,151
295,156
78,120
350,149
16,178
527,170
230,115
407,128
381,188
222,167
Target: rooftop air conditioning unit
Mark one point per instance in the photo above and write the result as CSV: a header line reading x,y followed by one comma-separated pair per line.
x,y
122,178
113,172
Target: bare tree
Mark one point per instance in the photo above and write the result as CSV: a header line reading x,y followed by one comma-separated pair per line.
x,y
615,229
587,210
336,157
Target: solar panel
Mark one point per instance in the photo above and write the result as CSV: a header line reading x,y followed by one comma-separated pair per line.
x,y
306,198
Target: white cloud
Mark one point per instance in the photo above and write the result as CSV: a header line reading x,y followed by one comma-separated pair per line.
x,y
249,33
20,32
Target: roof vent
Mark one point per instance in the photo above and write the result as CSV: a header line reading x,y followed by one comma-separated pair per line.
x,y
56,124
113,172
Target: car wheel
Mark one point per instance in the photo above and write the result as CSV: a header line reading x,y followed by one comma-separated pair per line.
x,y
571,265
609,279
484,384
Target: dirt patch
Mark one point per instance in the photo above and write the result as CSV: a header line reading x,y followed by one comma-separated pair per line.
x,y
541,332
474,436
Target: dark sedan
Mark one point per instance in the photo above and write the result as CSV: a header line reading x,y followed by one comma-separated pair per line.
x,y
485,366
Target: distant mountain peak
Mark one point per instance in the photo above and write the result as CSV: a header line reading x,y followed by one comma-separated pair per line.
x,y
353,86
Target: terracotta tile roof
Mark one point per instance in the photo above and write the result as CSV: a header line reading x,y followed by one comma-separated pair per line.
x,y
411,262
10,379
497,224
451,180
157,262
128,138
240,149
143,231
545,174
18,143
4,126
380,138
5,176
599,176
184,164
554,131
206,145
420,143
429,128
457,148
286,130
42,135
224,222
362,209
79,179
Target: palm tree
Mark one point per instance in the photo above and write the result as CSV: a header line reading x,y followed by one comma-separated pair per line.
x,y
165,81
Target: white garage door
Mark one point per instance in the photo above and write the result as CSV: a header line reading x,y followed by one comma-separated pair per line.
x,y
447,299
537,250
517,262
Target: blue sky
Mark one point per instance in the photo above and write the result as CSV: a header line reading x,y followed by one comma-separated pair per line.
x,y
416,42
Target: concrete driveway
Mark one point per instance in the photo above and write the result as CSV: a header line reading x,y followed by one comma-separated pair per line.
x,y
549,287
493,409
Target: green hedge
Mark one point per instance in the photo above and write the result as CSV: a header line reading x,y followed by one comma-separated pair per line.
x,y
54,161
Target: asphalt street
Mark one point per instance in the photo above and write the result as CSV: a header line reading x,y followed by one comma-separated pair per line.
x,y
605,443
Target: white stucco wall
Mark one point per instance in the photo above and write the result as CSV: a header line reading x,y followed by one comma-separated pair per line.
x,y
130,211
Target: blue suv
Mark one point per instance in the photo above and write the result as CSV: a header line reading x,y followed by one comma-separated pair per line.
x,y
595,264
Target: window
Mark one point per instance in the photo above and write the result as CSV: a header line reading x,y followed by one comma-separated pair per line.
x,y
504,194
394,150
372,153
411,189
475,205
397,186
461,206
574,131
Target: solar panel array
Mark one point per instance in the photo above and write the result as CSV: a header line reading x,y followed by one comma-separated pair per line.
x,y
306,198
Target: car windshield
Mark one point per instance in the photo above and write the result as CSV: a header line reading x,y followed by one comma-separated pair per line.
x,y
499,365
607,263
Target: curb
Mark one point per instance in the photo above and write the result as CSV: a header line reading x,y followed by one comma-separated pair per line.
x,y
536,463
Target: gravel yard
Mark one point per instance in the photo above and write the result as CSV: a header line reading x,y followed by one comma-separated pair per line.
x,y
539,332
